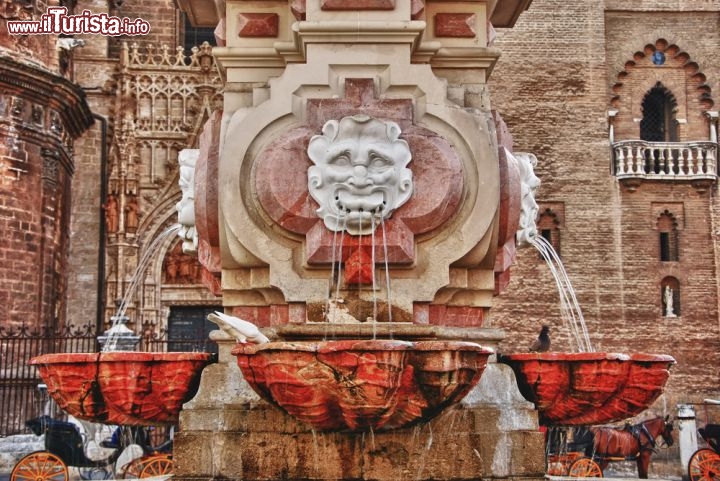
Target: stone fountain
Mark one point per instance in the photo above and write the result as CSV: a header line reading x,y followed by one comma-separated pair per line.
x,y
358,201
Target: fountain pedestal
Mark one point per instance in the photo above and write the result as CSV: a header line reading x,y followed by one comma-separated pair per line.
x,y
233,434
359,166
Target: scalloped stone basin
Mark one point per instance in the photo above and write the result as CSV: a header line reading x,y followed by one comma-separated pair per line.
x,y
135,388
579,389
359,385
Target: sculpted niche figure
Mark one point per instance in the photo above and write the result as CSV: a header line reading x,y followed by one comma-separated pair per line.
x,y
186,207
360,174
527,230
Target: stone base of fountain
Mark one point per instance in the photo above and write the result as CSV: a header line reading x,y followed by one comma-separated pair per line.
x,y
232,434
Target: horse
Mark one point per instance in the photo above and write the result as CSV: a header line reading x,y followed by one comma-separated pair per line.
x,y
631,442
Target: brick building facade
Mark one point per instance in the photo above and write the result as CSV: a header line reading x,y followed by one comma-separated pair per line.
x,y
568,73
41,114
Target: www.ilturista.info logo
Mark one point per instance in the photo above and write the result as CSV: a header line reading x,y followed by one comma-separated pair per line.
x,y
57,21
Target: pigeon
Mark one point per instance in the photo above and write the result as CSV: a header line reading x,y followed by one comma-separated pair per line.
x,y
241,331
542,343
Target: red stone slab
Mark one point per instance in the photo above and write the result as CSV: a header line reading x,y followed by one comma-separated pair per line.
x,y
457,25
258,24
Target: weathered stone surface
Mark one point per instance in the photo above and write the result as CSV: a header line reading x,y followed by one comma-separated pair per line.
x,y
193,454
492,432
357,4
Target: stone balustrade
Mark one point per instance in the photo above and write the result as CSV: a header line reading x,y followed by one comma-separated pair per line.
x,y
639,159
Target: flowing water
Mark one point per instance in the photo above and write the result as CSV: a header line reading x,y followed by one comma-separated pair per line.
x,y
114,333
332,304
569,307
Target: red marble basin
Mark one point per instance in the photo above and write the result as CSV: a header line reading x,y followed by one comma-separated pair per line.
x,y
578,389
135,388
358,385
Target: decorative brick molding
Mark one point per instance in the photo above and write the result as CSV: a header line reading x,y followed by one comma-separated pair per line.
x,y
258,24
357,4
456,25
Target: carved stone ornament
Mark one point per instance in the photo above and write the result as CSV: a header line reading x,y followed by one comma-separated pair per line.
x,y
360,173
527,230
186,207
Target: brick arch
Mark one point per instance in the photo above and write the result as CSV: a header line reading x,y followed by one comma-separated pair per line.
x,y
667,226
667,219
697,88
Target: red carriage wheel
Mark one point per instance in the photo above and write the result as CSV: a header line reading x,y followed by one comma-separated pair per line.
x,y
704,465
40,466
585,468
156,466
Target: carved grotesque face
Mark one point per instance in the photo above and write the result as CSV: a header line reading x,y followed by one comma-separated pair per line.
x,y
185,207
187,159
527,230
360,174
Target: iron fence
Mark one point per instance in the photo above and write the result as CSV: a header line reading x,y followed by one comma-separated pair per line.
x,y
21,393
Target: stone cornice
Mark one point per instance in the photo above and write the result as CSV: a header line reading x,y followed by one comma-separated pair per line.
x,y
341,32
35,83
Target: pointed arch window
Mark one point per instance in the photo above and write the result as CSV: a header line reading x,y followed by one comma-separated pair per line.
x,y
668,237
549,227
658,123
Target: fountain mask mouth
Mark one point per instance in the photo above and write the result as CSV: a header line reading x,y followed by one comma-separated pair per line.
x,y
358,211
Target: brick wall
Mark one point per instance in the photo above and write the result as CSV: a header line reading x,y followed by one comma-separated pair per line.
x,y
553,86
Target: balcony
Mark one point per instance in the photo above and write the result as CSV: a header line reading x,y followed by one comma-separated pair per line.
x,y
636,161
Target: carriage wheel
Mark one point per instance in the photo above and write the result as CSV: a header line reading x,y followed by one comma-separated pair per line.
x,y
585,468
704,465
40,466
133,469
157,466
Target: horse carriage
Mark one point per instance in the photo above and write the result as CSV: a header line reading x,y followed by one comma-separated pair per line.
x,y
587,451
704,464
65,446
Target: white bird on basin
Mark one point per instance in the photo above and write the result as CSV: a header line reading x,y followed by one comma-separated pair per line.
x,y
240,330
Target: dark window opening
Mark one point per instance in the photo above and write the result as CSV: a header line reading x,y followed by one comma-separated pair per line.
x,y
664,246
549,229
658,123
188,329
547,234
195,36
669,251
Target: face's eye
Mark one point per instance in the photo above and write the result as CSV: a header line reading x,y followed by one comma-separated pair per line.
x,y
341,160
379,162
